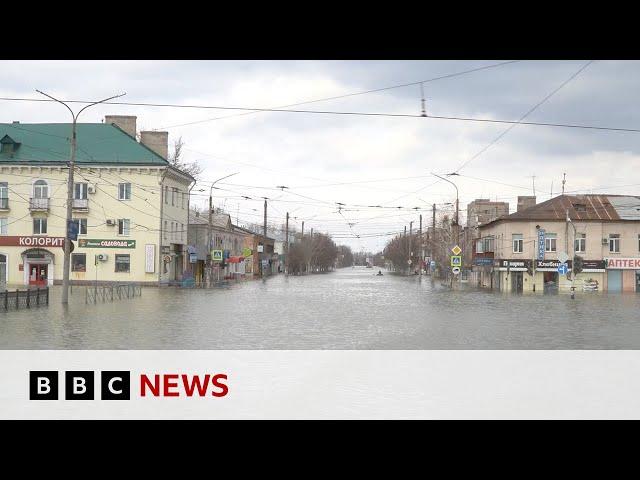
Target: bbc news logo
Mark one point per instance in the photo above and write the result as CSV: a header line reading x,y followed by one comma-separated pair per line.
x,y
116,385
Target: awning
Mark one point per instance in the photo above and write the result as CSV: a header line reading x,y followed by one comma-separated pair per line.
x,y
235,259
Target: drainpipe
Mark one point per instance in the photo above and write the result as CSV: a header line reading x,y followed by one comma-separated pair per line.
x,y
164,173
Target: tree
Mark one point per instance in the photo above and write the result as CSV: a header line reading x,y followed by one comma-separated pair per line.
x,y
192,168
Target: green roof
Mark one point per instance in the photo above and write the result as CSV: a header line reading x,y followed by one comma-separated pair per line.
x,y
49,143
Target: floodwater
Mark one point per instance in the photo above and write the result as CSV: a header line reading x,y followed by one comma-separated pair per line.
x,y
347,309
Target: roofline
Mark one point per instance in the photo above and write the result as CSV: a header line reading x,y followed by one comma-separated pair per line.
x,y
590,220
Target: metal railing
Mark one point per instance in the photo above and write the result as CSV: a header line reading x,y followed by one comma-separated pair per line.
x,y
32,297
112,292
39,204
81,203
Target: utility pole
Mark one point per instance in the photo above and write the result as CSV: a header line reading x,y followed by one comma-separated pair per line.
x,y
564,180
410,246
70,186
573,257
433,238
303,229
421,249
264,228
286,246
209,232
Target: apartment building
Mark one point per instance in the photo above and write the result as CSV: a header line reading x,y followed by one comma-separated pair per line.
x,y
525,247
130,207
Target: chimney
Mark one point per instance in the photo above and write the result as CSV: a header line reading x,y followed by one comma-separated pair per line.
x,y
126,123
526,201
156,141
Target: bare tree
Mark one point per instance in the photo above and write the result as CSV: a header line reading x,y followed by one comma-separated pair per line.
x,y
192,168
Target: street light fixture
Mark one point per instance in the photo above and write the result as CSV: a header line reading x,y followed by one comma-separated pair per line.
x,y
72,163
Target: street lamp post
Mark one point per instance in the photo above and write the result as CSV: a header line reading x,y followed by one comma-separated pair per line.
x,y
209,245
72,162
457,204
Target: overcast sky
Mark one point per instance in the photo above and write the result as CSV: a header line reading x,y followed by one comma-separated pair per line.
x,y
305,152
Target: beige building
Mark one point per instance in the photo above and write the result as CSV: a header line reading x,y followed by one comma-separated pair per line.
x,y
130,208
526,247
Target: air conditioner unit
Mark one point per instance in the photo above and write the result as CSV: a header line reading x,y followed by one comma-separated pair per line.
x,y
111,222
103,257
91,189
605,241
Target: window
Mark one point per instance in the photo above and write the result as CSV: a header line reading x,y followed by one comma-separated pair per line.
x,y
580,243
614,242
40,189
173,229
638,242
78,262
39,226
4,225
82,225
174,194
518,243
184,199
550,241
4,195
123,226
122,263
124,191
181,231
80,191
166,195
165,229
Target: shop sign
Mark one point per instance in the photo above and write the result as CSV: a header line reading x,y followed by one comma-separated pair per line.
x,y
149,258
193,258
483,261
550,265
29,241
541,235
622,263
99,243
599,265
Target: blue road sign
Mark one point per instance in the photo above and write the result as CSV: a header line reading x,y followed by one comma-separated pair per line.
x,y
433,264
563,269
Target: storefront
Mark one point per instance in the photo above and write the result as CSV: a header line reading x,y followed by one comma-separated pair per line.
x,y
623,274
511,275
29,260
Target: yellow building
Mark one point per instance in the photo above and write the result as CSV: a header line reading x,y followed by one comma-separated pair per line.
x,y
130,206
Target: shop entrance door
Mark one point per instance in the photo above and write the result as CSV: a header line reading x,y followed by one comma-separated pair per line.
x,y
614,281
38,274
516,282
637,281
550,282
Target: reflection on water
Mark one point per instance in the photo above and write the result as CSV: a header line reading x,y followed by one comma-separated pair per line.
x,y
347,309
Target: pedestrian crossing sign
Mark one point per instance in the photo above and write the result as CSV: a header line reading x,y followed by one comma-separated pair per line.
x,y
456,261
216,255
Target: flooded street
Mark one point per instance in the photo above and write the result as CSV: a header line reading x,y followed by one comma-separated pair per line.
x,y
346,309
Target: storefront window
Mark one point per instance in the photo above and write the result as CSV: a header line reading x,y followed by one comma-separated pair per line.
x,y
122,263
78,262
614,243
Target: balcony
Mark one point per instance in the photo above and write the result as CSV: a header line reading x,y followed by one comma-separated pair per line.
x,y
39,204
4,204
81,204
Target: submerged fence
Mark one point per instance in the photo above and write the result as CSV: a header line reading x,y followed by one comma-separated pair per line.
x,y
32,297
112,292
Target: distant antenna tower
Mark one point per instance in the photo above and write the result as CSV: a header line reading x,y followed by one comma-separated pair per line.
x,y
564,179
424,110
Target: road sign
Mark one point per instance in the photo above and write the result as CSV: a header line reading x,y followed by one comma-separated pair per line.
x,y
563,257
455,270
456,250
432,264
216,255
563,269
456,261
